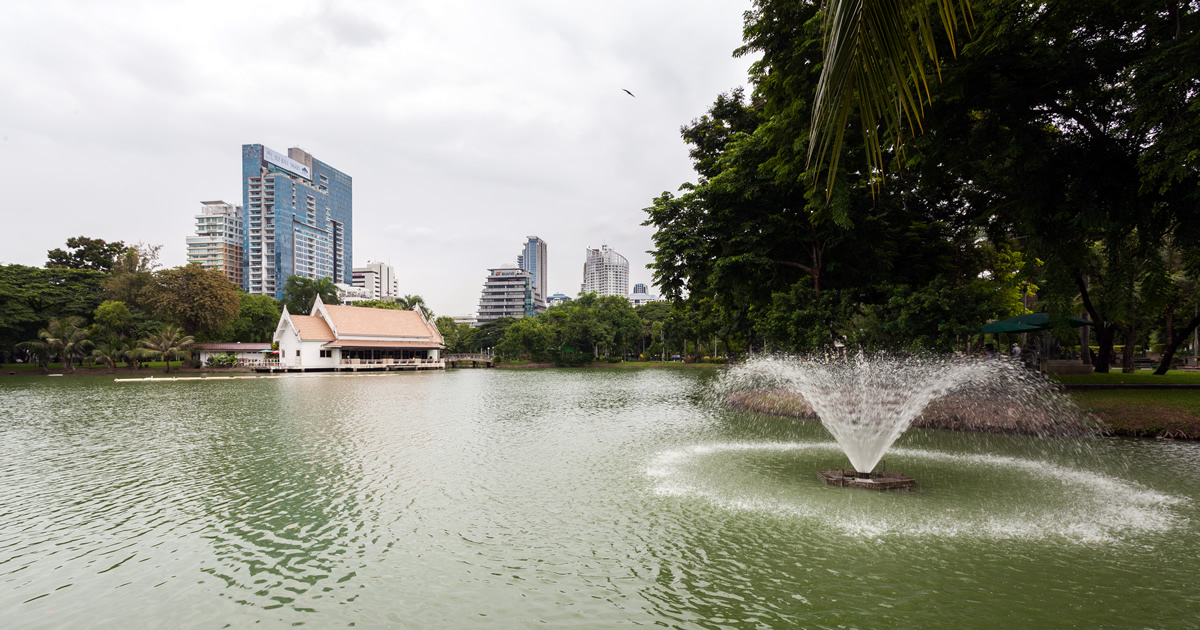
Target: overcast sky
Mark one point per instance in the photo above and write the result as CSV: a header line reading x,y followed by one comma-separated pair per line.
x,y
466,125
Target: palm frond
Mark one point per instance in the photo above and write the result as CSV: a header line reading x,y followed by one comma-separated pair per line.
x,y
874,58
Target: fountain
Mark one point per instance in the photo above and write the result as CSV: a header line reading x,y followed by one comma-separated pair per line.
x,y
868,402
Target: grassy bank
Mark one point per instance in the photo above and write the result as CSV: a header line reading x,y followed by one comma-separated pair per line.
x,y
1145,413
57,368
1140,377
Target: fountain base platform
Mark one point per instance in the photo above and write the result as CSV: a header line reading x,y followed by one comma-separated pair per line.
x,y
877,480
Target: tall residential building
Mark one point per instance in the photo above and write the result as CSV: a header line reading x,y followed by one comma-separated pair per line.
x,y
605,272
299,219
218,243
507,292
378,278
533,259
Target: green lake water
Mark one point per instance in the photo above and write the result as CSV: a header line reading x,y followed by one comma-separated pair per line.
x,y
587,498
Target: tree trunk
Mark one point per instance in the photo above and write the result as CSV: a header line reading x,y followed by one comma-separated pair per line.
x,y
1175,340
1129,333
1103,358
1104,330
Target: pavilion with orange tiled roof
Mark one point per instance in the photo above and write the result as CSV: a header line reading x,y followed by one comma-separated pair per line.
x,y
357,338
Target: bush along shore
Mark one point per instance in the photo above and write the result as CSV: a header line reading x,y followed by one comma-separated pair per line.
x,y
1136,413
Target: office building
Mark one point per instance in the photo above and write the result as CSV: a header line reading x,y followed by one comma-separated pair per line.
x,y
638,298
507,292
557,298
218,244
379,279
605,272
298,219
640,288
349,294
533,259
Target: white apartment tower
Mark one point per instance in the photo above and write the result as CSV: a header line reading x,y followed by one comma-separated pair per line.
x,y
605,272
218,243
378,278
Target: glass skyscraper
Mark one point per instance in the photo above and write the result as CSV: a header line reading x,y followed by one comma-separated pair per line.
x,y
533,259
298,219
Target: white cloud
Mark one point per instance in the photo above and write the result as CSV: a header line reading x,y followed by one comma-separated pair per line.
x,y
465,125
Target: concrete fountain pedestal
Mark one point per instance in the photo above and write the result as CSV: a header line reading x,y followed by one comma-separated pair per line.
x,y
875,480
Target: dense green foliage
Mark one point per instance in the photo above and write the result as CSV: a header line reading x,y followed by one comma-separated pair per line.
x,y
1059,159
200,301
86,253
81,307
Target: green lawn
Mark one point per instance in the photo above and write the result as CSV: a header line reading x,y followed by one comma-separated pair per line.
x,y
1141,377
33,368
1145,412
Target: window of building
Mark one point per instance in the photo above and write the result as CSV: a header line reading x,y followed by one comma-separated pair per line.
x,y
297,352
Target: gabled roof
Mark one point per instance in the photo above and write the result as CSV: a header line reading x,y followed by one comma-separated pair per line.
x,y
312,328
380,322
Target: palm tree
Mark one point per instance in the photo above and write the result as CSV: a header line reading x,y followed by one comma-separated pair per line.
x,y
415,303
108,353
38,349
132,353
67,338
874,55
168,343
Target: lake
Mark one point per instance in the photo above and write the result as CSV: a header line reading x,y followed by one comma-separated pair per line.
x,y
589,498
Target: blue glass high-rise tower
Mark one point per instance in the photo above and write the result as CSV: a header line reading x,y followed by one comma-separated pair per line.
x,y
298,219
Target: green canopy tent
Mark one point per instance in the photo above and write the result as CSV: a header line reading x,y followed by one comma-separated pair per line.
x,y
1029,322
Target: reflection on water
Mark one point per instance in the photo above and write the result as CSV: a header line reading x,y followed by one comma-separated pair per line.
x,y
586,497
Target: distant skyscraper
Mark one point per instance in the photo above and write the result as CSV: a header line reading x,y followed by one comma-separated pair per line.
x,y
605,272
378,278
507,292
533,259
299,219
640,288
219,240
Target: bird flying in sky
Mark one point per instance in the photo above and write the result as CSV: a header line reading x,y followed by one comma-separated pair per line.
x,y
628,92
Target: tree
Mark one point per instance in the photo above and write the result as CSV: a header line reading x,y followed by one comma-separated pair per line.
x,y
133,272
490,334
65,337
300,293
113,318
415,303
30,296
258,315
456,336
108,353
86,253
199,300
168,343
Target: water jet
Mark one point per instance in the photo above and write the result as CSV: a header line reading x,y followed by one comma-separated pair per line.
x,y
867,402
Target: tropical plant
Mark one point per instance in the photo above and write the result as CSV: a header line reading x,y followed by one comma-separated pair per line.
x,y
38,350
300,293
874,58
67,338
416,303
168,343
132,353
108,353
